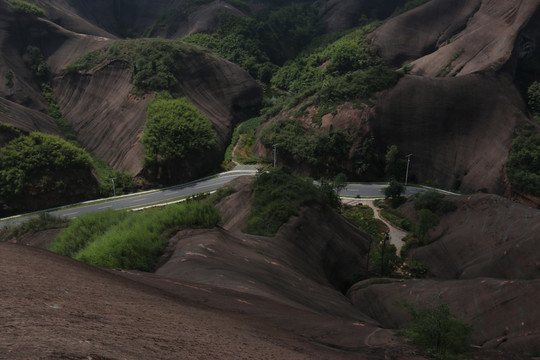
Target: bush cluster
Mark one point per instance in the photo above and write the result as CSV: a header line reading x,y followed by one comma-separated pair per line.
x,y
278,195
130,240
342,70
324,150
175,129
26,8
155,63
437,331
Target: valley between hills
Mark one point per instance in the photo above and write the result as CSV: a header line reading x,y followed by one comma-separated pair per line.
x,y
106,98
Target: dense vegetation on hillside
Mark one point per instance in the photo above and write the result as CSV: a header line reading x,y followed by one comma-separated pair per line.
x,y
33,163
26,8
278,194
154,63
523,166
261,44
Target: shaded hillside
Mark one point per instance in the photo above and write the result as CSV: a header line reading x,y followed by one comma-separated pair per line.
x,y
459,130
503,313
93,313
488,236
101,102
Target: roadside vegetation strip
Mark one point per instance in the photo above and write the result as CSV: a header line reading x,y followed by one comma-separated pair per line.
x,y
130,240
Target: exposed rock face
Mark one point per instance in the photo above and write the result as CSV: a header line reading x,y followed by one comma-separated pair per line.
x,y
341,15
465,36
504,313
109,120
459,127
126,18
459,130
487,236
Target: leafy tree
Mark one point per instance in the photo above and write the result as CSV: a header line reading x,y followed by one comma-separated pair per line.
x,y
533,93
174,130
523,165
393,192
426,221
437,331
395,166
35,161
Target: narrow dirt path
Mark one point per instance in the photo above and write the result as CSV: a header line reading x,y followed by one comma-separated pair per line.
x,y
396,235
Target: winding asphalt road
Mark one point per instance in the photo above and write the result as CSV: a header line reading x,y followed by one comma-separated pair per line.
x,y
147,198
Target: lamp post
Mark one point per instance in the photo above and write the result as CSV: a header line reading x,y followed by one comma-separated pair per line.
x,y
275,153
407,172
113,187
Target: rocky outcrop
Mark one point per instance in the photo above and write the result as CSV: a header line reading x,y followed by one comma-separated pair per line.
x,y
461,109
109,119
503,313
487,236
444,38
459,130
341,15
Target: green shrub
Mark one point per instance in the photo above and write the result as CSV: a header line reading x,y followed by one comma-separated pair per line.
x,y
175,129
437,331
396,218
26,8
56,114
222,193
523,165
130,240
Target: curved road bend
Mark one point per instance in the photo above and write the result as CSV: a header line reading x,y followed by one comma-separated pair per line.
x,y
181,191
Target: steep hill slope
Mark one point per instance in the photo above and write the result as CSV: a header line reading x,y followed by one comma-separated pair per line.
x,y
488,236
460,129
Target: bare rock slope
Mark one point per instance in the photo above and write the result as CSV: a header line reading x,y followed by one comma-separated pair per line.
x,y
461,109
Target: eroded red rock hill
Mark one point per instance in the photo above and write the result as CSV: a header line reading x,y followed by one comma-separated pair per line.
x,y
459,109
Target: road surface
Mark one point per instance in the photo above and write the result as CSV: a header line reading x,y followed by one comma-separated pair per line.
x,y
143,199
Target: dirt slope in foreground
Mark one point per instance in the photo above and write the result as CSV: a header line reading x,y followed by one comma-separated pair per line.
x,y
54,307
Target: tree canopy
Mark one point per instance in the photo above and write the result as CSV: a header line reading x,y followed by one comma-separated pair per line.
x,y
33,161
175,129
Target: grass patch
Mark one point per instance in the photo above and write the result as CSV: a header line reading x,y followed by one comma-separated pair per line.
x,y
363,216
133,240
396,218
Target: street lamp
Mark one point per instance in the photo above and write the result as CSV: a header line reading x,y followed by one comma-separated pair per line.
x,y
275,153
113,187
407,173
